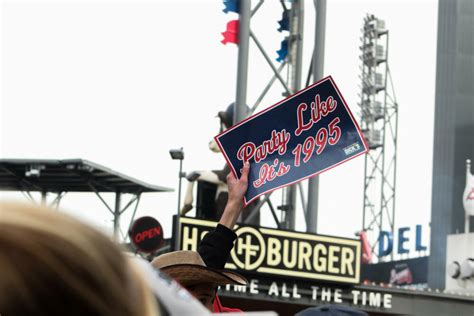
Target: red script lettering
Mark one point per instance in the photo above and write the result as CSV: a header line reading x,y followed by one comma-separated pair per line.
x,y
277,142
318,110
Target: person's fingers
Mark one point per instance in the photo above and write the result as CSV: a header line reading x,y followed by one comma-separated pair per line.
x,y
230,176
245,172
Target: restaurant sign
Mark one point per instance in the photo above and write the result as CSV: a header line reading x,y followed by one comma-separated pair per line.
x,y
280,252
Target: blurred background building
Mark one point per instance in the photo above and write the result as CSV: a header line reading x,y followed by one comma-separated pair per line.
x,y
454,128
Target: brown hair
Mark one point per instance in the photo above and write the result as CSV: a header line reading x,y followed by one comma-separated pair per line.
x,y
51,264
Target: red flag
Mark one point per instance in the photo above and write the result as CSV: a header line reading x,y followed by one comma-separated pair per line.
x,y
231,34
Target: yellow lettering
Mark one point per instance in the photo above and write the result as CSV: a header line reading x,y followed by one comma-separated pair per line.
x,y
273,252
190,240
319,260
304,255
347,259
289,261
333,259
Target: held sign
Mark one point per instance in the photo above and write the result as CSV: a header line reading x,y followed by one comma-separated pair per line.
x,y
146,234
280,252
308,133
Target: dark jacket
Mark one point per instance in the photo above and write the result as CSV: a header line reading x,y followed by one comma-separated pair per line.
x,y
216,246
215,250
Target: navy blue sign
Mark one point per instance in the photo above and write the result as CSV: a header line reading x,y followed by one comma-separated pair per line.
x,y
297,138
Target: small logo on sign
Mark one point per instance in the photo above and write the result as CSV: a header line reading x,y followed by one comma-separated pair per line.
x,y
351,149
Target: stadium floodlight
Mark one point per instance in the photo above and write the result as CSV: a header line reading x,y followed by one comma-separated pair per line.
x,y
177,154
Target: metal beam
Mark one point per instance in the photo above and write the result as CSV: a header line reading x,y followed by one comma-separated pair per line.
x,y
57,199
270,63
139,195
240,107
295,62
257,209
129,203
100,197
43,196
21,179
303,201
255,9
117,215
267,88
28,195
272,210
318,72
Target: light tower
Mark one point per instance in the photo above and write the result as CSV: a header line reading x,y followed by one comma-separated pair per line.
x,y
379,123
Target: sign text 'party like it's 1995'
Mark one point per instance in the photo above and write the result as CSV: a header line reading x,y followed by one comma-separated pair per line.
x,y
308,133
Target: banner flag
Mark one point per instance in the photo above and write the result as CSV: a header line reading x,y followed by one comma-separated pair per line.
x,y
468,196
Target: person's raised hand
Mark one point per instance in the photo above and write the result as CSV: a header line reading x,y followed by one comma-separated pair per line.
x,y
238,187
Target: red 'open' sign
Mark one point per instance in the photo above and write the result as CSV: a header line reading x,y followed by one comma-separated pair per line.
x,y
146,234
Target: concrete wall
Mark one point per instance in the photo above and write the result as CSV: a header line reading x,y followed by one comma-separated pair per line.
x,y
454,127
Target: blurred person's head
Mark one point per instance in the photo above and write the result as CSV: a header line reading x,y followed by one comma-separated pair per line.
x,y
51,264
188,268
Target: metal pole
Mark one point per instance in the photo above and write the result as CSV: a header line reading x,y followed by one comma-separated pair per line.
x,y
270,63
364,204
259,4
386,120
298,65
133,215
264,92
179,184
395,141
303,200
468,174
318,72
296,59
117,215
43,198
240,105
242,68
256,209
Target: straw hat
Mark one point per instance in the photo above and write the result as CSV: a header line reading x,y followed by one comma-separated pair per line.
x,y
188,268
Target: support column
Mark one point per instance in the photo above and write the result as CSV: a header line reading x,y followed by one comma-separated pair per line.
x,y
295,62
318,72
117,216
179,185
240,105
240,110
43,198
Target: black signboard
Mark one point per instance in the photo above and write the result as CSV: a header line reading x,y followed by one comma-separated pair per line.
x,y
402,272
146,234
281,252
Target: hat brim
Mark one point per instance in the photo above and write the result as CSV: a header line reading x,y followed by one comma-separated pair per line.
x,y
190,274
